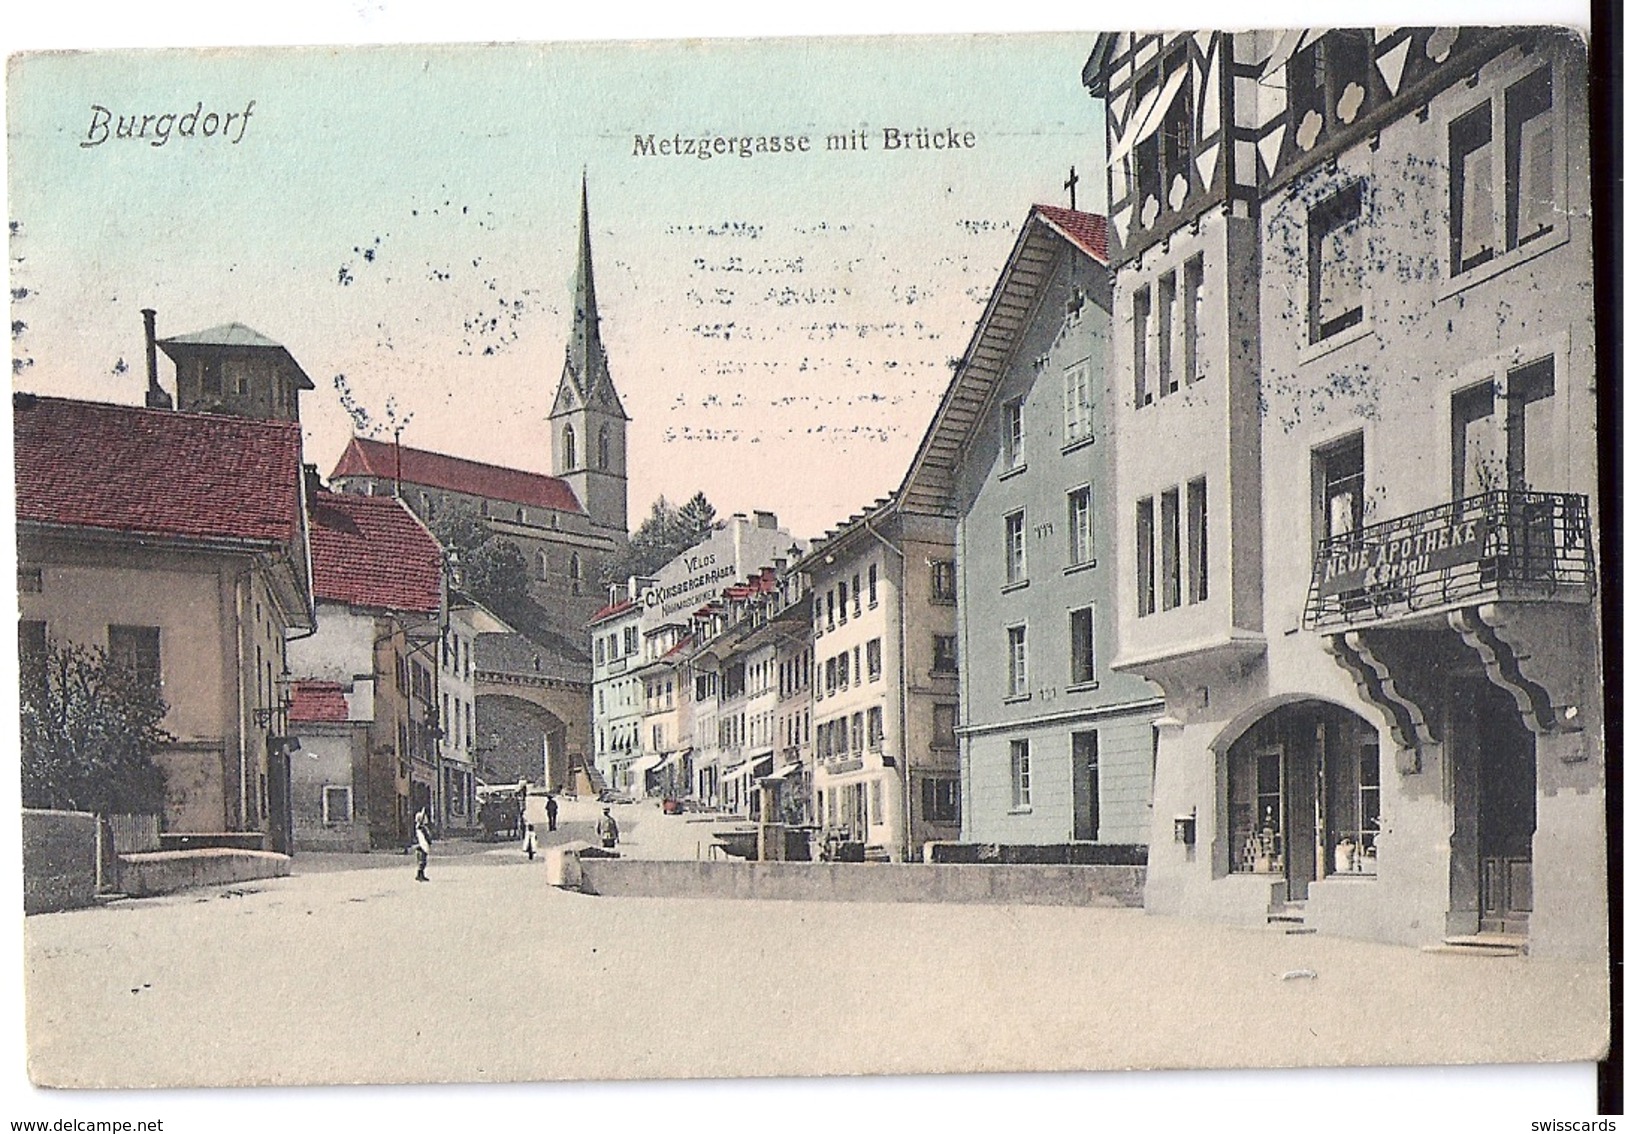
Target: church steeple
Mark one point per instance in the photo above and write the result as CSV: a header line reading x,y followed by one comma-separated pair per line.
x,y
589,423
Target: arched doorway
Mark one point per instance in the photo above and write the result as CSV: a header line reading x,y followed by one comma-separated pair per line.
x,y
1303,797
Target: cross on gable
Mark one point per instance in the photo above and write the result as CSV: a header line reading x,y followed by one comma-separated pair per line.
x,y
1071,186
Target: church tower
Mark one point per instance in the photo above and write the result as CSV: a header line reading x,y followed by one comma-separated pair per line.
x,y
589,425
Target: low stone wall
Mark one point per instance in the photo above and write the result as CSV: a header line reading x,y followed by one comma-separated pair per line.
x,y
59,860
866,882
164,872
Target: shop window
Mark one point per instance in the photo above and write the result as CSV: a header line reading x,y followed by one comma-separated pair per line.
x,y
1083,646
1336,265
1021,776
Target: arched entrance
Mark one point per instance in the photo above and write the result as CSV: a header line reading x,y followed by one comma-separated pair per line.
x,y
1303,797
532,728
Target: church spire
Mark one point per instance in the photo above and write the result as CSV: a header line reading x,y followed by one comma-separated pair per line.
x,y
585,352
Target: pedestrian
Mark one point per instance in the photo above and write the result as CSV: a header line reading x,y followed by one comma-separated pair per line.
x,y
552,812
530,841
421,826
609,832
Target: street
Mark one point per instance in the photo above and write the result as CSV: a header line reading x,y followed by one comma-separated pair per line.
x,y
349,971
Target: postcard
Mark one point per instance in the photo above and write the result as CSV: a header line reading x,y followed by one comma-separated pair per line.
x,y
807,557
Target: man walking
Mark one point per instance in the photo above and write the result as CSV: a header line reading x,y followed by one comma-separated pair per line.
x,y
421,826
609,832
552,812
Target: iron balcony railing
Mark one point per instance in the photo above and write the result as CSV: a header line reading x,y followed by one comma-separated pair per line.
x,y
1498,545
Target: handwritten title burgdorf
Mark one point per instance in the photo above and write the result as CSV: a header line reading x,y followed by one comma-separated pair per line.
x,y
199,121
886,139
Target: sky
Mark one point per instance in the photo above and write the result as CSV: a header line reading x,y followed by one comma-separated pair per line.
x,y
779,326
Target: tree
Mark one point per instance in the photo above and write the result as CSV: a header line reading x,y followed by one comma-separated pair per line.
x,y
494,571
90,729
662,537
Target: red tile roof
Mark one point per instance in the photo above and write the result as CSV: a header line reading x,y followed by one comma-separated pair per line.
x,y
1086,230
156,472
610,611
365,457
315,701
371,551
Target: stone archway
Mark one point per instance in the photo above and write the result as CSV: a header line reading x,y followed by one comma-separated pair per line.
x,y
532,728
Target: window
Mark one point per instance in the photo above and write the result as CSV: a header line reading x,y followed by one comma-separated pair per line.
x,y
1080,528
818,615
1336,265
1021,776
1085,786
857,595
944,719
1083,646
1170,549
1014,454
1138,343
1326,83
1145,556
1196,537
1167,291
829,610
1472,191
943,587
603,447
541,566
569,447
944,653
877,801
939,799
630,636
1530,159
842,590
1192,316
829,675
1162,156
857,732
1016,653
876,732
874,585
1078,410
1476,439
872,657
1339,477
135,649
336,803
575,573
1015,548
843,669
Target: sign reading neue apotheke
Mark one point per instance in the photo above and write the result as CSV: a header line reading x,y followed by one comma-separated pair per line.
x,y
1394,557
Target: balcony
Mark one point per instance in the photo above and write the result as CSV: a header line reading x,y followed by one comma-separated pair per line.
x,y
1499,546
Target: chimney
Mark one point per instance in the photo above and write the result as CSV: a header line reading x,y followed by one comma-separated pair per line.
x,y
156,397
767,521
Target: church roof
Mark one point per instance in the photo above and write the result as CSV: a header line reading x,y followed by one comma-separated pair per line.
x,y
156,472
1086,230
586,379
366,457
371,551
234,335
